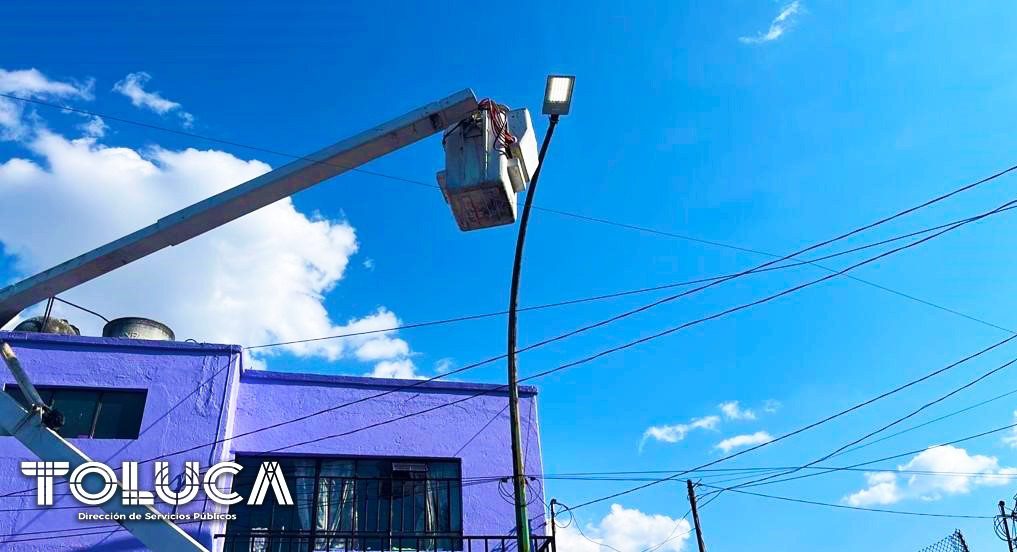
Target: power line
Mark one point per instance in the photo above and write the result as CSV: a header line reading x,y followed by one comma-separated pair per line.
x,y
887,426
806,427
598,355
613,350
847,507
932,421
661,287
825,471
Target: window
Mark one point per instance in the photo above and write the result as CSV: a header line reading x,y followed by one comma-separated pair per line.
x,y
352,504
92,413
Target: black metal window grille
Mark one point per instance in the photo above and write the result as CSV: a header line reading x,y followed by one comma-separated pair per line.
x,y
352,504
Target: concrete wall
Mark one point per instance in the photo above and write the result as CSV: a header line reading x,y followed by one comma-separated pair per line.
x,y
198,393
186,383
475,430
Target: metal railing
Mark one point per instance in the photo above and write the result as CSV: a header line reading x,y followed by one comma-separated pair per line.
x,y
324,541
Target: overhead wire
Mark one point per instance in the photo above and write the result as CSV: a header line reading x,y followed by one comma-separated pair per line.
x,y
660,287
860,508
599,355
593,357
884,427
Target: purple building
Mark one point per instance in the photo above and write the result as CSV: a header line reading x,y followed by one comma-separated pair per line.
x,y
370,463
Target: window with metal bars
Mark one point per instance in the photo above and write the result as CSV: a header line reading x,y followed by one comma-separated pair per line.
x,y
353,504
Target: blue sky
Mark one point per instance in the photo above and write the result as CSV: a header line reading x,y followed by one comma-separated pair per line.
x,y
844,114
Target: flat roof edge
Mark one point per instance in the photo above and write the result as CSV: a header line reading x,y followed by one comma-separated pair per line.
x,y
15,338
384,383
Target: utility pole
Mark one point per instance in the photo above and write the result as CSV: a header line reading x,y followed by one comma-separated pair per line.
x,y
695,516
1005,520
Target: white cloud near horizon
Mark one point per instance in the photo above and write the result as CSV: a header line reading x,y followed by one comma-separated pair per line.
x,y
133,86
738,441
626,530
260,279
677,432
780,24
888,487
732,411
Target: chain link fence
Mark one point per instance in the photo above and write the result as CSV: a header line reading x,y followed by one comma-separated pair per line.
x,y
954,543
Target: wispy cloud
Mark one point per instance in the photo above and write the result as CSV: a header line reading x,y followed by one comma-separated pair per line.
x,y
31,83
133,86
677,432
738,441
780,24
732,411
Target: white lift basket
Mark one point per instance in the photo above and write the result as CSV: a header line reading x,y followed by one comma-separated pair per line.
x,y
482,177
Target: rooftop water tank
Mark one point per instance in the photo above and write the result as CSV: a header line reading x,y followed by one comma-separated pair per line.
x,y
137,328
53,326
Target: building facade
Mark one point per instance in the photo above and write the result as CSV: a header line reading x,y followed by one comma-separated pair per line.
x,y
371,464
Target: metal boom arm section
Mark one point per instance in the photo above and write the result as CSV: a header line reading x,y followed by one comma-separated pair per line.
x,y
238,201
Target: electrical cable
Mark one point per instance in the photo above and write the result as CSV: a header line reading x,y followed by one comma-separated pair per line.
x,y
932,421
79,307
616,349
631,344
847,507
580,330
806,427
886,426
625,293
825,471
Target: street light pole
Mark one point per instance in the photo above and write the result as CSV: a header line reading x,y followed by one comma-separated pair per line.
x,y
557,100
518,467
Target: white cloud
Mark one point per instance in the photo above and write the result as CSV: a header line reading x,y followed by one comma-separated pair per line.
x,y
738,441
882,490
31,83
95,127
732,411
383,348
133,86
677,432
1011,439
889,487
369,264
778,26
444,365
771,406
626,530
400,369
259,279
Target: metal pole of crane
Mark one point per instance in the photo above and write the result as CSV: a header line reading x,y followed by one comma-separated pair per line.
x,y
157,534
238,201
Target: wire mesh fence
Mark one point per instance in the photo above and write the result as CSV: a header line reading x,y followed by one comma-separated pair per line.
x,y
953,543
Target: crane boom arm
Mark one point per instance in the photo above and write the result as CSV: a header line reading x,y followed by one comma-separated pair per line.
x,y
238,201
